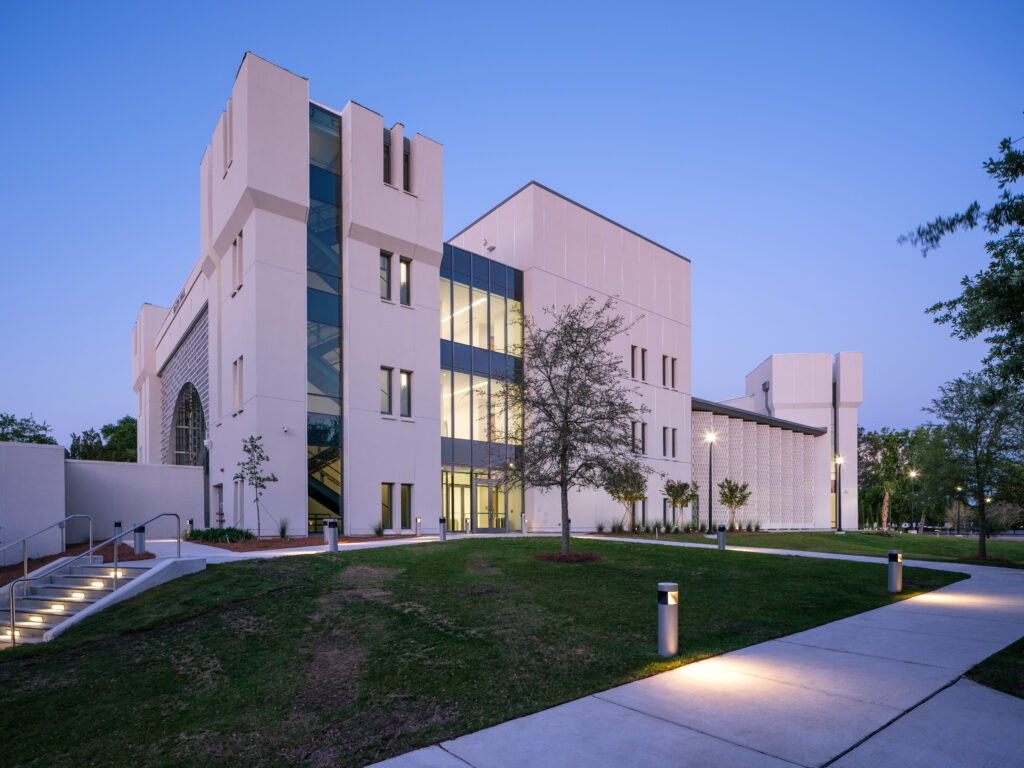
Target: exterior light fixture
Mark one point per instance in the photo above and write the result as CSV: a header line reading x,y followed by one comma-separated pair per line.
x,y
668,619
710,437
895,571
36,619
78,595
839,494
914,474
97,585
58,607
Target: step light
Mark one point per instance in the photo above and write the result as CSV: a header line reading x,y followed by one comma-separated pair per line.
x,y
78,595
7,633
57,607
36,619
97,585
118,575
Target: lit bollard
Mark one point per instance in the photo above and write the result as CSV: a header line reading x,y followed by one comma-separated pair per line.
x,y
140,540
332,535
465,525
189,528
721,538
443,528
895,571
417,527
668,619
525,525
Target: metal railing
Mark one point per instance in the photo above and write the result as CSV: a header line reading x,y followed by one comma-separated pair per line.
x,y
116,538
63,535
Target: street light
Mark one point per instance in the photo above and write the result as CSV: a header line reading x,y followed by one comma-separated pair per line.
x,y
959,490
710,437
913,496
839,495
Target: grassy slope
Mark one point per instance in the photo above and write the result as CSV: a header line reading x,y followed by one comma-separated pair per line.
x,y
347,659
1004,671
944,548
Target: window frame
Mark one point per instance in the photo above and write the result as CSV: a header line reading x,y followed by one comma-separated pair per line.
x,y
387,508
385,275
405,506
387,377
405,394
405,281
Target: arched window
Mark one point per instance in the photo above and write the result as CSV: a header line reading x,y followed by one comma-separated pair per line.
x,y
189,427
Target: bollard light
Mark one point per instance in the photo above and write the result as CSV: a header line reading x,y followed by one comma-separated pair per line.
x,y
327,539
525,525
668,619
895,571
443,528
140,540
418,526
721,538
332,534
189,527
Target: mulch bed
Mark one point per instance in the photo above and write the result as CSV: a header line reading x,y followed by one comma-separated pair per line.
x,y
259,545
125,553
572,557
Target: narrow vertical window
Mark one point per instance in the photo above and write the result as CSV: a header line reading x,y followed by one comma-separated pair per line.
x,y
404,281
633,431
643,438
385,504
673,442
385,390
673,373
406,493
405,394
664,370
234,388
387,156
664,441
632,361
643,365
236,263
241,382
385,275
406,181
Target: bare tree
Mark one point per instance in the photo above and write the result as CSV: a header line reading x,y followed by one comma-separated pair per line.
x,y
250,471
571,403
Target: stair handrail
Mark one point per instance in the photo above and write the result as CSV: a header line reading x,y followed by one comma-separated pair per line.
x,y
115,538
64,539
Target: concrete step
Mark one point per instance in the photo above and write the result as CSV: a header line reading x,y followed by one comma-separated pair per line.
x,y
24,632
29,618
70,594
104,569
90,581
5,639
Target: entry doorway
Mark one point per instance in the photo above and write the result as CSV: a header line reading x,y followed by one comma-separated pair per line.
x,y
490,505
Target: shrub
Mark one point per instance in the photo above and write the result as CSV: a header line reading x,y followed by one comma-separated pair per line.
x,y
217,535
378,529
282,527
600,527
750,527
757,526
618,527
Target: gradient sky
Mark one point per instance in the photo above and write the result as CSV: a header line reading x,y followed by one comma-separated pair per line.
x,y
782,147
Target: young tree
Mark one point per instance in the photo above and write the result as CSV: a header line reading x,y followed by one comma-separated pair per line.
x,y
991,302
251,472
680,494
982,419
571,402
733,496
628,486
25,430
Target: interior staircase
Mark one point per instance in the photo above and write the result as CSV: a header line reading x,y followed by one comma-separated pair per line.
x,y
42,605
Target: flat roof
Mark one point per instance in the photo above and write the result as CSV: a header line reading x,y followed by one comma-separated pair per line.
x,y
738,413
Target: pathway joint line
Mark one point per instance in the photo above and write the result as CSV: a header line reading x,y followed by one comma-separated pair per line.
x,y
449,752
855,653
900,716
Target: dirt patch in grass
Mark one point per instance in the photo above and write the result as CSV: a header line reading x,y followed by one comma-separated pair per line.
x,y
125,553
478,566
258,545
572,557
332,679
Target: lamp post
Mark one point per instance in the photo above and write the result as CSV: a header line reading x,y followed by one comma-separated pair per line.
x,y
839,495
710,437
959,490
913,496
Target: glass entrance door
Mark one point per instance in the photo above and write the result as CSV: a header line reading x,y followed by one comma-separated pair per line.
x,y
489,505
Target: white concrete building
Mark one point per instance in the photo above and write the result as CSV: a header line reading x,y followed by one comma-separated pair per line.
x,y
310,319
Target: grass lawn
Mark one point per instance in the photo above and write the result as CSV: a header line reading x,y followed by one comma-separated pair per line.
x,y
924,547
1004,671
350,658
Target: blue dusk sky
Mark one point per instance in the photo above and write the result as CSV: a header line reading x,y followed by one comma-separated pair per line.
x,y
782,147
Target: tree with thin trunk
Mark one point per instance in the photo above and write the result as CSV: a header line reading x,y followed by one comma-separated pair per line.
x,y
628,486
251,472
680,494
884,460
733,496
983,427
570,403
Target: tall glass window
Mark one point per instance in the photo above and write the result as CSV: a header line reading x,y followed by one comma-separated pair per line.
x,y
481,347
405,282
385,275
323,326
385,390
405,394
406,502
385,504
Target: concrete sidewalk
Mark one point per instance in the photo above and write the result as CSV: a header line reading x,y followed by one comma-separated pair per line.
x,y
879,688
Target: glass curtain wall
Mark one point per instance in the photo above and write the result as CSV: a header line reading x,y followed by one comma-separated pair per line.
x,y
323,320
481,340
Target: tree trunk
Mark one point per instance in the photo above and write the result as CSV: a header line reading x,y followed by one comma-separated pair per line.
x,y
258,531
982,526
885,512
565,518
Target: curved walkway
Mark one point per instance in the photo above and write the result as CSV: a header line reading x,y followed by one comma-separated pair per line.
x,y
876,689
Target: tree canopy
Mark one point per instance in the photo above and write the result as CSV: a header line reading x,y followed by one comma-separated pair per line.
x,y
24,430
992,301
572,403
114,442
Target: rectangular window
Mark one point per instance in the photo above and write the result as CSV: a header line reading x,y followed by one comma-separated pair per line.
x,y
387,156
479,309
406,178
632,361
664,441
673,373
405,394
385,504
406,492
385,389
633,434
236,264
446,403
673,442
462,395
643,365
643,438
237,399
446,309
404,281
460,313
664,370
385,275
